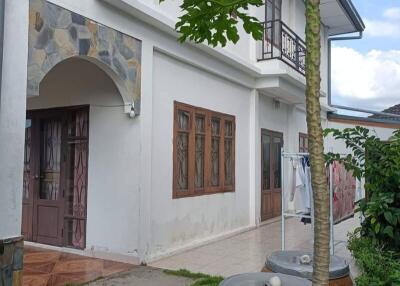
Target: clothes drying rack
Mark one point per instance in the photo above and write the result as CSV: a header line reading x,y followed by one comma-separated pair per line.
x,y
287,214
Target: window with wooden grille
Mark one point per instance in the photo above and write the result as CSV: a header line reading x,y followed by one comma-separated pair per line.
x,y
204,151
303,143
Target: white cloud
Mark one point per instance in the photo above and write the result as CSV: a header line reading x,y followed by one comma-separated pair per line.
x,y
382,28
392,13
388,26
370,80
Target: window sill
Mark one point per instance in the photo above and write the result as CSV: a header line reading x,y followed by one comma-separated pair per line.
x,y
182,195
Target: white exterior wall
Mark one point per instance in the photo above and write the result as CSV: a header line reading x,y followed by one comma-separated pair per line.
x,y
340,147
177,223
131,214
114,148
117,227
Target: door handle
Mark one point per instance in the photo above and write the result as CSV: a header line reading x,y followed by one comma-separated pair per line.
x,y
36,177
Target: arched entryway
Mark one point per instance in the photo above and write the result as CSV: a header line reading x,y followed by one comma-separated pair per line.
x,y
78,70
57,148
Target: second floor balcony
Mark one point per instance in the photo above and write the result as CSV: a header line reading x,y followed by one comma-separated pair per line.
x,y
281,42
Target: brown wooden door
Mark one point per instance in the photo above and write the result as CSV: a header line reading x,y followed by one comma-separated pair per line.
x,y
55,176
48,203
271,190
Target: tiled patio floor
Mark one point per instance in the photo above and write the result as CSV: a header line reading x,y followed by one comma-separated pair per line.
x,y
52,268
247,252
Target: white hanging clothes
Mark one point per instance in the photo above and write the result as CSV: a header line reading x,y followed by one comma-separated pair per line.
x,y
308,189
300,196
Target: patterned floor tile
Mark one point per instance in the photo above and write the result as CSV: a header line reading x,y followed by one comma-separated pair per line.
x,y
52,268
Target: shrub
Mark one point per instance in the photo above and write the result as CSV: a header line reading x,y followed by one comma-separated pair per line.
x,y
379,163
378,267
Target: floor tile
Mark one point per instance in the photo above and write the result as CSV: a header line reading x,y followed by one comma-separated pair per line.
x,y
247,252
44,267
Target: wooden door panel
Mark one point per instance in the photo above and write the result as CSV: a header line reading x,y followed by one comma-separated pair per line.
x,y
277,143
48,225
55,177
271,191
49,200
276,204
266,206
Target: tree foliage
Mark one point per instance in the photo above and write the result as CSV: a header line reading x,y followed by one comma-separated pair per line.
x,y
378,162
215,21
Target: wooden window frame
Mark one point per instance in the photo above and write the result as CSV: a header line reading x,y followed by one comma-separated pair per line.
x,y
304,137
207,188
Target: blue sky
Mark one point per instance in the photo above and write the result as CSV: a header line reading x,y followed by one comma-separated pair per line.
x,y
366,73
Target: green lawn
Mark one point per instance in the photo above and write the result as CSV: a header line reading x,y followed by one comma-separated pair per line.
x,y
200,279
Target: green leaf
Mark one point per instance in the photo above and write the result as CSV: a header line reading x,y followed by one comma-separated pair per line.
x,y
377,228
389,231
388,216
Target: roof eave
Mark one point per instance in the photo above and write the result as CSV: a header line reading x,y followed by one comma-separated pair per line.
x,y
353,14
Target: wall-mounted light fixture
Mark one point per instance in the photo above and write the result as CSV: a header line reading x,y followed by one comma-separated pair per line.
x,y
132,113
277,103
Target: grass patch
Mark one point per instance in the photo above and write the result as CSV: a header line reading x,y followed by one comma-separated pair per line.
x,y
200,279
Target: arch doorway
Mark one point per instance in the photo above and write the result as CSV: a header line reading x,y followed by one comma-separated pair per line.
x,y
76,66
72,101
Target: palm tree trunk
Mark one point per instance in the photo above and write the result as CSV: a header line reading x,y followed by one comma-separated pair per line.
x,y
319,182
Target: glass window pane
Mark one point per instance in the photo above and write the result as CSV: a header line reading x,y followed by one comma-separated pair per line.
x,y
199,163
200,124
78,125
182,160
27,159
215,126
228,164
266,144
269,11
76,181
183,120
215,161
277,166
50,160
228,128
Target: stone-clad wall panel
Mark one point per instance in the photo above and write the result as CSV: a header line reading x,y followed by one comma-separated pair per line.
x,y
11,261
56,34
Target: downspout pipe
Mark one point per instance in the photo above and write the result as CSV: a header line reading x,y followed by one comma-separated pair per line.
x,y
330,40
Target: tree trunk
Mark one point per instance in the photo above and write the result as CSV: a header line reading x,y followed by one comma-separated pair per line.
x,y
316,144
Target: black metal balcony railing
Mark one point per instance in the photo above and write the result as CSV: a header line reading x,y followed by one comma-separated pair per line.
x,y
281,42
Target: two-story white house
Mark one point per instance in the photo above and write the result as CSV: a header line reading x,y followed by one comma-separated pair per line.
x,y
118,141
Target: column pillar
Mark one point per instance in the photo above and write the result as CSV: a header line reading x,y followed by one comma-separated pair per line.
x,y
12,137
146,142
255,159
